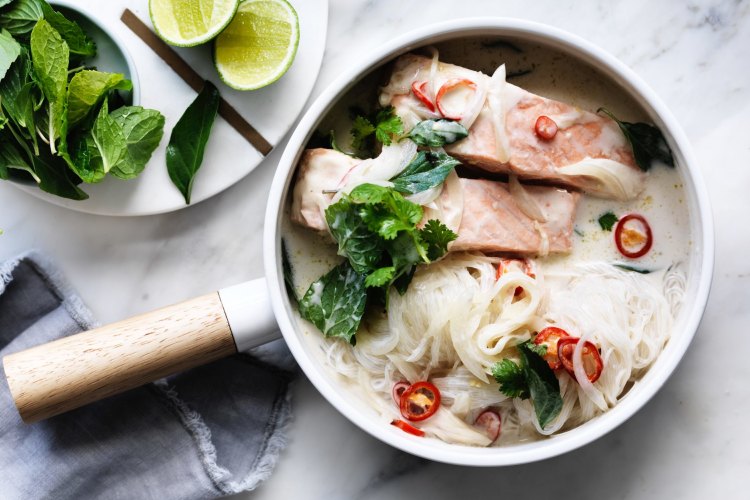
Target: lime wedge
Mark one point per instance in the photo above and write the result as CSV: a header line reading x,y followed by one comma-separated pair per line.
x,y
186,23
259,44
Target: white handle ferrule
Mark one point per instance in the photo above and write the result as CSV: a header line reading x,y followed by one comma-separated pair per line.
x,y
249,314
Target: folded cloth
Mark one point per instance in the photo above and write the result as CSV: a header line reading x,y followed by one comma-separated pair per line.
x,y
204,433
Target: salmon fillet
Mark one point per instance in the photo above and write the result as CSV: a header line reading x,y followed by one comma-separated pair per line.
x,y
492,220
582,136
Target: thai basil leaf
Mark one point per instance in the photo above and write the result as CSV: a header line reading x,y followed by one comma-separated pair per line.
x,y
360,245
142,130
544,387
646,140
77,40
336,302
428,170
21,17
50,57
437,133
189,137
9,52
86,90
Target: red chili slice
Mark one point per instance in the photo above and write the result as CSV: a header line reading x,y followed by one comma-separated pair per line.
x,y
627,238
398,390
592,362
490,421
420,92
420,401
451,84
545,128
407,428
550,337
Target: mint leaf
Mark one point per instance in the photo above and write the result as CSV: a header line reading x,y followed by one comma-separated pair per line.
x,y
109,146
511,378
544,387
437,133
436,236
356,241
21,17
9,52
142,130
49,57
335,303
607,221
646,140
427,170
86,90
77,40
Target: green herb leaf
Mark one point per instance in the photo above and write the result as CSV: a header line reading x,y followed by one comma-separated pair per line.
x,y
106,146
21,17
142,130
626,267
356,242
511,378
437,236
646,140
9,51
607,221
544,387
427,170
437,133
78,42
55,177
361,130
12,159
336,302
387,124
539,349
380,277
49,57
189,137
86,90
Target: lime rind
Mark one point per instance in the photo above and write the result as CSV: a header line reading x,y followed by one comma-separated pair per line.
x,y
210,34
280,69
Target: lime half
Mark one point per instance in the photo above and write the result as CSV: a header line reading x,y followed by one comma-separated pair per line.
x,y
259,44
190,22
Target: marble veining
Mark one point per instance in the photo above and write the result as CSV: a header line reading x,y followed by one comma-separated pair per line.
x,y
689,442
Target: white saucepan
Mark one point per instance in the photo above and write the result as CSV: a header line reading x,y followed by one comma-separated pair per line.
x,y
77,370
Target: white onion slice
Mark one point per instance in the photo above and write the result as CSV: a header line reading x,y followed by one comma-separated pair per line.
x,y
606,178
497,111
391,161
449,204
528,205
475,106
433,72
594,394
425,197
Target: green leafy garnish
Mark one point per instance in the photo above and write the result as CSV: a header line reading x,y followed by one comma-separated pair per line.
x,y
533,378
189,137
78,42
50,57
21,17
437,236
384,125
646,140
335,303
607,221
437,133
9,52
88,88
427,170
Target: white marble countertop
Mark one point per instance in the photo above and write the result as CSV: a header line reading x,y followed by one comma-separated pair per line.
x,y
688,442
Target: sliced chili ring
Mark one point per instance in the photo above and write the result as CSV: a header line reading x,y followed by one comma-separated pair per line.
x,y
448,86
408,428
398,390
545,127
420,401
550,337
419,89
490,421
592,361
627,238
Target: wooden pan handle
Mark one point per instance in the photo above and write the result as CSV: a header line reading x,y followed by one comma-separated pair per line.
x,y
73,371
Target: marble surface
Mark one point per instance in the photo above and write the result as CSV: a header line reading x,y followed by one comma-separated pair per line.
x,y
688,442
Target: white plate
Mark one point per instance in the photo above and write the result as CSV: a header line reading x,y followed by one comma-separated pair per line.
x,y
228,157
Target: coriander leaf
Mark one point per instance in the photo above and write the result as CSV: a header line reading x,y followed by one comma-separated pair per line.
x,y
540,349
607,221
49,57
437,236
437,133
335,303
544,387
77,40
86,90
380,277
387,124
359,244
511,378
646,140
361,130
142,130
386,212
626,267
20,17
9,52
189,137
426,171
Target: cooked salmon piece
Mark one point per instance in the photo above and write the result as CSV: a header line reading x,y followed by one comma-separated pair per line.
x,y
589,152
493,219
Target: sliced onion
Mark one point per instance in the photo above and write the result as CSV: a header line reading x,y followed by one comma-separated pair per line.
x,y
471,113
432,87
528,205
425,197
497,111
544,237
391,161
606,178
594,394
449,205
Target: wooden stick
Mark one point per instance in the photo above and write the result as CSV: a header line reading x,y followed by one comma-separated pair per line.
x,y
193,79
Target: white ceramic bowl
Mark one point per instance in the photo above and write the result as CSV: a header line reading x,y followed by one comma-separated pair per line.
x,y
699,268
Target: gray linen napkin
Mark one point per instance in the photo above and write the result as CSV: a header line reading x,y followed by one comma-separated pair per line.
x,y
205,433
